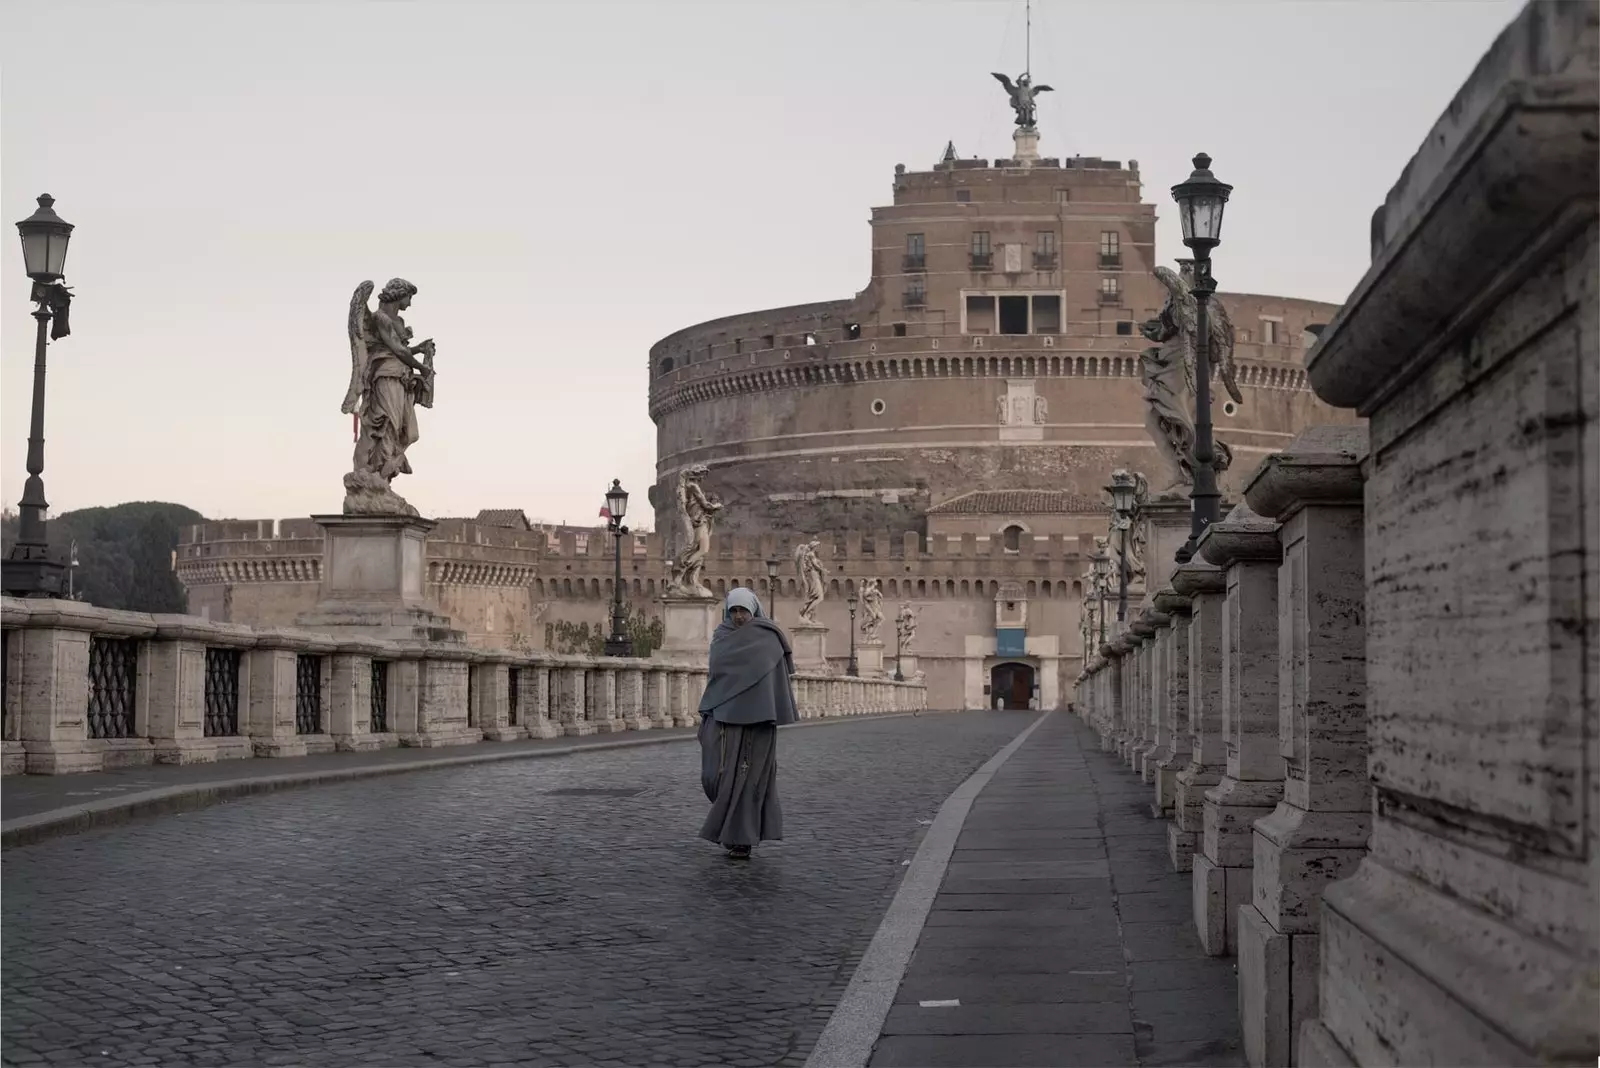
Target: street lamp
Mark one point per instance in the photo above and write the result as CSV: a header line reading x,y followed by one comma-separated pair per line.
x,y
620,643
1101,563
853,670
1200,203
1123,491
772,587
899,633
29,569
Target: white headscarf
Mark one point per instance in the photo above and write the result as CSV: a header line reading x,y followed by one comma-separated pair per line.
x,y
740,597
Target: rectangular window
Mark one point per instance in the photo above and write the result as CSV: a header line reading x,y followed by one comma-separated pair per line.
x,y
1110,290
1110,243
913,244
899,329
1046,241
1046,314
1124,328
980,315
982,251
1269,332
963,195
915,258
1013,315
916,295
1063,196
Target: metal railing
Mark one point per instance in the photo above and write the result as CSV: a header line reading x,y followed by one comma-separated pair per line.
x,y
308,694
379,711
1045,261
981,261
222,693
113,679
914,261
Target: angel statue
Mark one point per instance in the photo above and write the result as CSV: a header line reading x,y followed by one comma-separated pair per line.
x,y
812,577
906,624
1168,373
1022,94
872,609
1131,532
387,383
696,513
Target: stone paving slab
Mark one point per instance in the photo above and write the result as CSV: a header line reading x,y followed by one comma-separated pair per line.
x,y
477,916
40,806
1060,934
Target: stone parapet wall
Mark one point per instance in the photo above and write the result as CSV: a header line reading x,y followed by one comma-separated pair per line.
x,y
89,688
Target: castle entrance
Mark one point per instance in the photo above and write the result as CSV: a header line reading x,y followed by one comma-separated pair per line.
x,y
1011,685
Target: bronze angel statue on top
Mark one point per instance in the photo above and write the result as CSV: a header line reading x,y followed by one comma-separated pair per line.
x,y
1022,97
1168,372
387,384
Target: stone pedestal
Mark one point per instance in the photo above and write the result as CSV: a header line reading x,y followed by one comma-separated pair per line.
x,y
687,626
1206,588
1026,140
869,658
1167,519
374,573
1246,547
1318,832
1151,684
906,664
1172,735
810,644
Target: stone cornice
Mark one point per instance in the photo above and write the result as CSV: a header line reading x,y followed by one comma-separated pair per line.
x,y
1511,165
1198,577
1243,537
1321,466
1172,603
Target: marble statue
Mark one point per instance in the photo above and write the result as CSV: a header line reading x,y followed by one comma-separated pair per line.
x,y
872,609
696,513
1041,410
812,577
906,624
1167,372
387,384
1022,97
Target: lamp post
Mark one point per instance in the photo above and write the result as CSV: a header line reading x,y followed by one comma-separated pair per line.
x,y
1101,563
1123,492
620,643
1200,203
853,670
30,571
772,587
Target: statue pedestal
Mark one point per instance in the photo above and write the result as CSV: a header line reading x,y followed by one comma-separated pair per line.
x,y
1027,142
687,624
1167,520
374,572
869,659
810,644
907,666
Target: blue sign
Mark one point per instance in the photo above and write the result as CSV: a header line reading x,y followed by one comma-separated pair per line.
x,y
1010,641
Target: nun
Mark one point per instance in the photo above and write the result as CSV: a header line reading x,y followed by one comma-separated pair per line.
x,y
748,697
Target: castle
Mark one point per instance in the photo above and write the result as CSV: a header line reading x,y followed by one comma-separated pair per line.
x,y
947,431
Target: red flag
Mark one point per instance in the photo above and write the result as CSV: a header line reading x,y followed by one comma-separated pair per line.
x,y
605,512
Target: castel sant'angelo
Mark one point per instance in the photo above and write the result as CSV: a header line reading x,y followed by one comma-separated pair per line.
x,y
947,431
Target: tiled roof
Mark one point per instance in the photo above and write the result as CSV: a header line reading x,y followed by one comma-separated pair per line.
x,y
1018,502
504,517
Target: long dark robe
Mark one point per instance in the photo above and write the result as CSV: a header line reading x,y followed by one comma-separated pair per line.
x,y
739,770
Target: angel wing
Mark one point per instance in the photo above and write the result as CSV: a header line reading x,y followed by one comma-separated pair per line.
x,y
358,347
1006,81
1043,89
800,559
1222,350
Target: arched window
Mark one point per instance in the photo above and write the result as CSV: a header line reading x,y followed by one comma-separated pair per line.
x,y
665,365
1013,538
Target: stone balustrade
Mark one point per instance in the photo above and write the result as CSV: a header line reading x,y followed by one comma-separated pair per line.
x,y
89,688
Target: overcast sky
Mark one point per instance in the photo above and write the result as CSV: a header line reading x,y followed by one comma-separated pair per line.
x,y
568,182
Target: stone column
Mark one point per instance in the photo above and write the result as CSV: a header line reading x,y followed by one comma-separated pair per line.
x,y
1139,742
1318,833
603,705
1116,704
1246,547
492,688
442,718
572,698
682,714
273,665
658,697
350,695
1206,588
1172,753
1154,748
179,685
630,697
535,699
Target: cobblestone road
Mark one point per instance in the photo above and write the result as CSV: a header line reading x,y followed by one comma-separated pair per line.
x,y
477,916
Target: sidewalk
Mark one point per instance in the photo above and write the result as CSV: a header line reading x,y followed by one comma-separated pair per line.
x,y
1060,934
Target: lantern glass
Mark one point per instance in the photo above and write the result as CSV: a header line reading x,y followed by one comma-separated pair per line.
x,y
44,242
1121,490
617,500
772,569
851,601
1200,203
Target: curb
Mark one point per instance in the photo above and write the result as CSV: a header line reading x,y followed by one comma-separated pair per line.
x,y
189,797
857,1020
